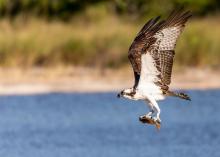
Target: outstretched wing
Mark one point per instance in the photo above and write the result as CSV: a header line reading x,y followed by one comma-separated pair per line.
x,y
169,34
152,52
143,39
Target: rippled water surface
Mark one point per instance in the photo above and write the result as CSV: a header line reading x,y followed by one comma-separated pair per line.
x,y
100,125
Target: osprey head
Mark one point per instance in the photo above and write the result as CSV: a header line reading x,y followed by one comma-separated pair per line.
x,y
126,93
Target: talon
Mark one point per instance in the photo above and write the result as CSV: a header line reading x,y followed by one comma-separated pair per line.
x,y
150,113
157,120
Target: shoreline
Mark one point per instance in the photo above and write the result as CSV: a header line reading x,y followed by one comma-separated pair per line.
x,y
80,80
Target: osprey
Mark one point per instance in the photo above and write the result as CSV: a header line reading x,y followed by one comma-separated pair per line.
x,y
151,55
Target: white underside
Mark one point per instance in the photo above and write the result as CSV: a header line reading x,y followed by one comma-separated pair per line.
x,y
146,87
146,96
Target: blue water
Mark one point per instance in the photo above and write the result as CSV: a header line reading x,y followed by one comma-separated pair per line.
x,y
101,125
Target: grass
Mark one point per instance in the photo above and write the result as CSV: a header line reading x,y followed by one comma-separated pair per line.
x,y
97,37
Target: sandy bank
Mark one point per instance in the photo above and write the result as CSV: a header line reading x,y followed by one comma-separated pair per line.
x,y
35,81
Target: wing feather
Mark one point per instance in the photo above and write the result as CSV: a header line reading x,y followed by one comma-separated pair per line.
x,y
158,40
169,35
143,40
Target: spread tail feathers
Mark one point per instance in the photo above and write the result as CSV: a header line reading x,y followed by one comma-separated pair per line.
x,y
180,95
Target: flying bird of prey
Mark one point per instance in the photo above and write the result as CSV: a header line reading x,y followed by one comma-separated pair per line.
x,y
151,55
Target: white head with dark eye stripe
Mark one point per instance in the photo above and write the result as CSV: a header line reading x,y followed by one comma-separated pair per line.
x,y
127,93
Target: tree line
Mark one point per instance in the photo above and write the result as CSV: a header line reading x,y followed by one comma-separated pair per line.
x,y
65,9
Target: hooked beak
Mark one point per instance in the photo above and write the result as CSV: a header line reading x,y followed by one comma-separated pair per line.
x,y
120,94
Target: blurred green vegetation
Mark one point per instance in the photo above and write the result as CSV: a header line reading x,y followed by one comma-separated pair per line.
x,y
64,9
99,33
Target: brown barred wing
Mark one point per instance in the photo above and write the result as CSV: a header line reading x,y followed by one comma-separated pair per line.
x,y
158,39
168,36
141,43
166,64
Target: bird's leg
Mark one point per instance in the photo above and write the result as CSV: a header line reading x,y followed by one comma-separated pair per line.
x,y
156,108
149,114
